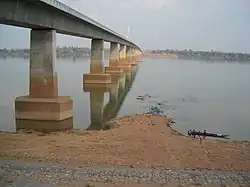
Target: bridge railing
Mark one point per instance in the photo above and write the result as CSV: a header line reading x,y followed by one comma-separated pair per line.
x,y
67,9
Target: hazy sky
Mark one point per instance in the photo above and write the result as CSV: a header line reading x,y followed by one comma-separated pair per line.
x,y
195,24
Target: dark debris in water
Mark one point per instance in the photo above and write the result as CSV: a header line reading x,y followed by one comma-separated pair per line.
x,y
154,107
143,97
155,110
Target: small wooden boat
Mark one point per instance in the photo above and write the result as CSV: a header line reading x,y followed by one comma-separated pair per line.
x,y
195,133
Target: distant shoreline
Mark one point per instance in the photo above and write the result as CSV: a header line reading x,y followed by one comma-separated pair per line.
x,y
198,55
81,52
160,56
62,52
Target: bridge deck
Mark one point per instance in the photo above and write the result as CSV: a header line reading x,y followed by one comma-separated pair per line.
x,y
52,14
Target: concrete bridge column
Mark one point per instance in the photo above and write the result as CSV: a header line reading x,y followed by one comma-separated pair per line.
x,y
133,54
138,55
113,67
130,59
129,53
122,53
123,59
114,54
97,74
43,102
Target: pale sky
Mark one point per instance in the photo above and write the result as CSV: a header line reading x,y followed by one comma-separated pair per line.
x,y
159,24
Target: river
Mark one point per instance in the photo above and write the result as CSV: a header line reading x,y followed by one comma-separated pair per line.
x,y
199,95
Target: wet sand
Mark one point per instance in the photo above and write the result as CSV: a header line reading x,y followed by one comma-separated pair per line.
x,y
136,141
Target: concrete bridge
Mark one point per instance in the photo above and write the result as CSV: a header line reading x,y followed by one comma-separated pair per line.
x,y
45,18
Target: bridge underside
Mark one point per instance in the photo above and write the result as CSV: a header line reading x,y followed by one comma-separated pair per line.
x,y
39,15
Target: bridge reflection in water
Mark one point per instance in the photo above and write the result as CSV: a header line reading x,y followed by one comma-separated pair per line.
x,y
118,90
99,114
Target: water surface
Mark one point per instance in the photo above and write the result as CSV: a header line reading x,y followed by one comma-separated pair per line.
x,y
203,95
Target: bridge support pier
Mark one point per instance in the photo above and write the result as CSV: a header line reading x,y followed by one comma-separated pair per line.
x,y
129,56
97,74
43,102
133,54
137,55
115,65
114,69
123,61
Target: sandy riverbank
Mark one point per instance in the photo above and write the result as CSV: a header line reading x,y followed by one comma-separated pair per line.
x,y
137,141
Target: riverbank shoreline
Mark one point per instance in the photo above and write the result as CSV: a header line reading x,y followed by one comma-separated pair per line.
x,y
140,141
159,56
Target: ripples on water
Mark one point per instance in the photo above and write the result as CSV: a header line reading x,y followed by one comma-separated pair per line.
x,y
197,94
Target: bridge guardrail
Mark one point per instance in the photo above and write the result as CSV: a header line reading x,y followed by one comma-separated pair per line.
x,y
67,9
